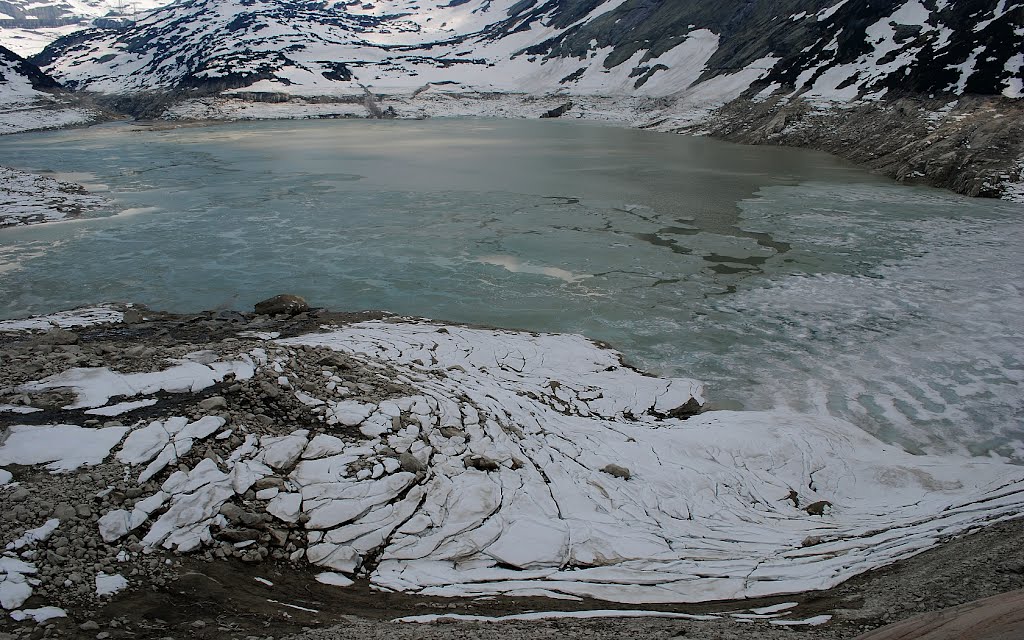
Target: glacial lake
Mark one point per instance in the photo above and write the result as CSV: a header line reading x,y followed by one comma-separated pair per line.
x,y
781,278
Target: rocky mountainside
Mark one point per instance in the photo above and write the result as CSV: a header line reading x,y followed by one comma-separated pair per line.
x,y
54,13
820,48
19,76
30,99
26,26
928,66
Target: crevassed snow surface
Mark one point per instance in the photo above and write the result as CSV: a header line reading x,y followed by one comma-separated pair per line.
x,y
514,435
707,496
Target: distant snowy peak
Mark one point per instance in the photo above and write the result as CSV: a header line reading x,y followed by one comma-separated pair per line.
x,y
821,49
53,13
27,26
21,79
30,99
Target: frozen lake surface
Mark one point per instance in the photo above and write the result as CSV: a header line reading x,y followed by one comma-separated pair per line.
x,y
782,278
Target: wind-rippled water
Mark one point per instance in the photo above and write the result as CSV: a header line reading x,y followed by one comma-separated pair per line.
x,y
782,278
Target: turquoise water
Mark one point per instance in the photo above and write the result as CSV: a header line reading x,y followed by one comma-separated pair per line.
x,y
780,277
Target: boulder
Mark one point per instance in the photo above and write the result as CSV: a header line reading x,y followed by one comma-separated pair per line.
x,y
58,336
617,471
557,112
214,403
819,508
281,304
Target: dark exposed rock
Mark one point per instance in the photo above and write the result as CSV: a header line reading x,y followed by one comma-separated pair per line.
x,y
58,337
557,112
481,463
617,471
282,304
688,409
818,508
409,463
213,404
238,535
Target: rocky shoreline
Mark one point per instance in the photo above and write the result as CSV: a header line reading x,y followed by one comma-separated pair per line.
x,y
971,145
249,573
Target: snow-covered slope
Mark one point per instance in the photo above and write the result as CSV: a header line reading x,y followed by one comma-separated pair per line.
x,y
26,26
827,49
30,99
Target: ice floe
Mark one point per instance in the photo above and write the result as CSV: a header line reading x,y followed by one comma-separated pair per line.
x,y
61,447
15,581
121,407
513,494
32,536
18,576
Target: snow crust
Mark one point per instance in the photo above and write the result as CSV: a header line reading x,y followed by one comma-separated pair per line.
x,y
334,579
95,386
707,496
40,615
26,198
61,447
84,317
537,464
108,585
554,615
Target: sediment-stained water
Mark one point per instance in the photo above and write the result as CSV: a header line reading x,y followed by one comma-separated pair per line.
x,y
780,277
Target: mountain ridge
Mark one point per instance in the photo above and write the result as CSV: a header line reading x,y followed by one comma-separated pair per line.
x,y
758,71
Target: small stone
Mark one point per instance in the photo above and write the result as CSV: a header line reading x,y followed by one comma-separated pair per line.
x,y
64,511
89,625
83,511
481,463
232,512
58,336
213,404
617,471
269,390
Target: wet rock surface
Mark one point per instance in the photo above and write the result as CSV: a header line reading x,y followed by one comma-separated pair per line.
x,y
971,145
